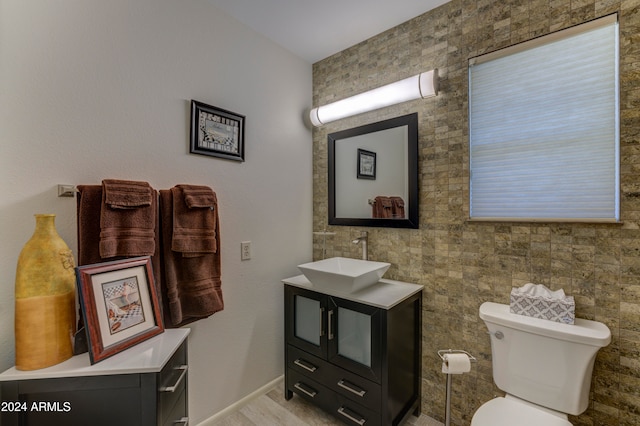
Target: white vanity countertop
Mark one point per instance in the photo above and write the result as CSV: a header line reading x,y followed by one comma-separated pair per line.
x,y
384,294
146,357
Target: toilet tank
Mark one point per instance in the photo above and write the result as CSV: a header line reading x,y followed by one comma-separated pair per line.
x,y
544,362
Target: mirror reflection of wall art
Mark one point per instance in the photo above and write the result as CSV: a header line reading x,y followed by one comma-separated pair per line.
x,y
216,132
386,156
366,164
119,304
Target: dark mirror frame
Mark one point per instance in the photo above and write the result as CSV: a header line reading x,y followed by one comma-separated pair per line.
x,y
411,121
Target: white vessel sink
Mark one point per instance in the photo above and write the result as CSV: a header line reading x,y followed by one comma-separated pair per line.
x,y
343,274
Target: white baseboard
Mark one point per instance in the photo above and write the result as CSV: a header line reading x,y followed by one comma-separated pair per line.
x,y
211,421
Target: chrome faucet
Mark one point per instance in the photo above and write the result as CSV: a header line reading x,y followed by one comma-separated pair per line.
x,y
363,239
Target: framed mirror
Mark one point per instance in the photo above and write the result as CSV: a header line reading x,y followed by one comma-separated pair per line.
x,y
373,174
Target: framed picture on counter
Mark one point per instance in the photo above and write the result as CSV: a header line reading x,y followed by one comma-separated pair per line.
x,y
119,304
216,132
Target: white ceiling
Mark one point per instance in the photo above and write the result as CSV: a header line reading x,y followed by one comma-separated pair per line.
x,y
316,29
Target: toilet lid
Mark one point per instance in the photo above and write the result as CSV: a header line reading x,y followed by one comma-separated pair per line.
x,y
509,412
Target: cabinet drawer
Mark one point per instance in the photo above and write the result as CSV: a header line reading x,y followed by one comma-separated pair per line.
x,y
178,359
345,383
172,382
93,406
355,414
178,415
342,408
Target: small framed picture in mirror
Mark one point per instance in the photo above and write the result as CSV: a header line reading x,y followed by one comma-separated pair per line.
x,y
366,164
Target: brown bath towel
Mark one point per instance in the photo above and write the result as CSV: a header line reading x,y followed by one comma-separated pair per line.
x,y
89,205
127,219
89,201
191,285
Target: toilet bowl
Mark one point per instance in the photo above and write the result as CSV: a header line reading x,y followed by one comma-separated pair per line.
x,y
544,367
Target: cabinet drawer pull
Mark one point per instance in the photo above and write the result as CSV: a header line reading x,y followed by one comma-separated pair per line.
x,y
173,388
330,324
183,421
308,366
360,421
312,393
351,388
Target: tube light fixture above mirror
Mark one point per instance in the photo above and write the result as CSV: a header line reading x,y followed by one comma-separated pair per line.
x,y
419,86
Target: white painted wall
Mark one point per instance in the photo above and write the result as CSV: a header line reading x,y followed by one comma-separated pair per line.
x,y
101,89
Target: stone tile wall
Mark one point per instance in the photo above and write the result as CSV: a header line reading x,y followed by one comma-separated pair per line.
x,y
462,264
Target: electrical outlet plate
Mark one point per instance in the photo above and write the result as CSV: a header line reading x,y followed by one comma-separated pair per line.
x,y
245,250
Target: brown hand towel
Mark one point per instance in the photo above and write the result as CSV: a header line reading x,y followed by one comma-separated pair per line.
x,y
194,220
191,286
127,219
198,196
398,207
382,207
126,194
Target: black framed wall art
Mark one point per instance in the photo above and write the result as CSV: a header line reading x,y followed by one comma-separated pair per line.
x,y
216,132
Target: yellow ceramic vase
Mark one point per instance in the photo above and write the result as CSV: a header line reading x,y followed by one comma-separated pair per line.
x,y
45,298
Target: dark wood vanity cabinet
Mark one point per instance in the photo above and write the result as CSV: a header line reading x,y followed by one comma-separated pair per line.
x,y
145,385
357,357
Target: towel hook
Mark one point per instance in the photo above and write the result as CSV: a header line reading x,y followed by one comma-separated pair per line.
x,y
67,190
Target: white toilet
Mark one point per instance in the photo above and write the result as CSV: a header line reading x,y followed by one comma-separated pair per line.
x,y
543,366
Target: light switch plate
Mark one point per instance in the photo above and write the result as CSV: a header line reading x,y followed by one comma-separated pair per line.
x,y
245,250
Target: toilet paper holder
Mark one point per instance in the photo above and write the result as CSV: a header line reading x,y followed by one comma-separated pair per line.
x,y
441,354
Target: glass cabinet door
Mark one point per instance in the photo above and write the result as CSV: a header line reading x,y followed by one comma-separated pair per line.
x,y
308,319
305,320
354,337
